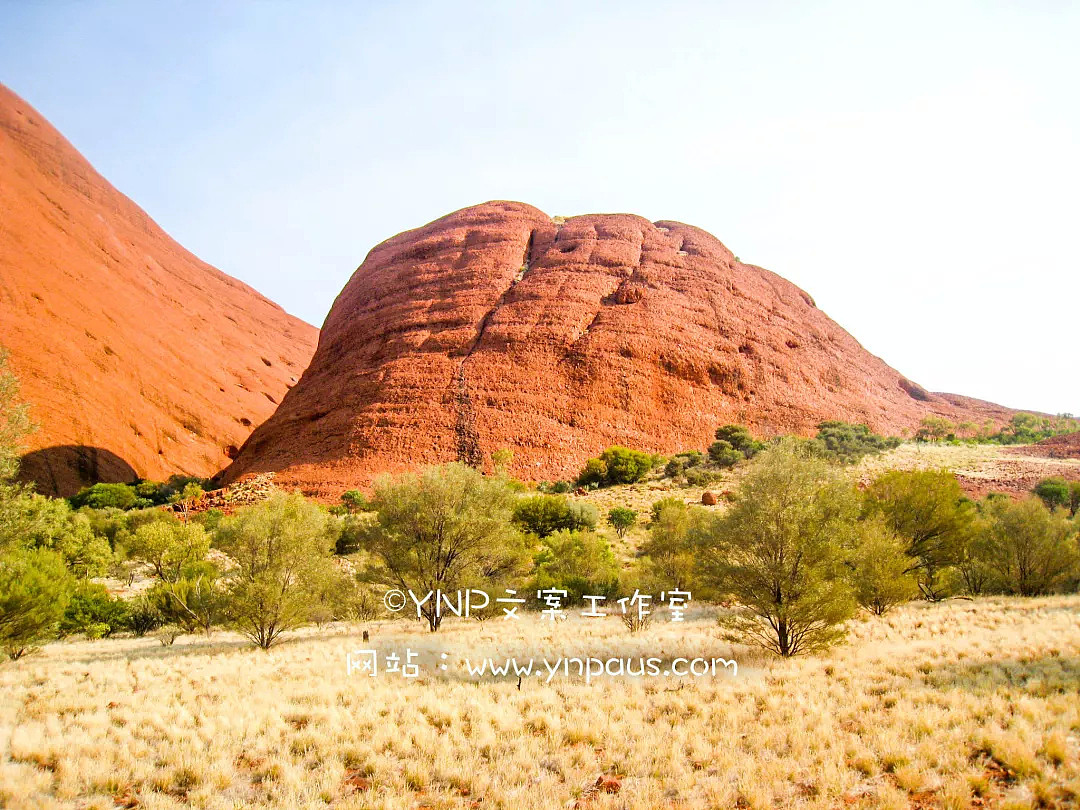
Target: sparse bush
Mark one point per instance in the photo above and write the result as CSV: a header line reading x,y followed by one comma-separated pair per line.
x,y
723,454
779,552
447,528
93,612
1033,550
935,429
355,502
541,515
169,546
669,553
882,571
931,513
143,615
105,496
34,591
701,477
282,548
579,562
621,519
740,440
616,465
1055,493
848,443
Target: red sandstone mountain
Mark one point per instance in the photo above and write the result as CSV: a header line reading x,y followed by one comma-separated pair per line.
x,y
137,358
498,326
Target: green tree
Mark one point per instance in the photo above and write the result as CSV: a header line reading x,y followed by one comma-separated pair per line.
x,y
779,552
1055,493
543,514
194,602
283,549
446,529
579,562
169,546
670,553
93,612
1033,550
723,454
621,519
928,510
105,496
35,587
740,439
881,568
849,443
934,429
616,465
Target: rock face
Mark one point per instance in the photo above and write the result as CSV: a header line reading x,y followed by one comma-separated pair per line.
x,y
137,358
498,326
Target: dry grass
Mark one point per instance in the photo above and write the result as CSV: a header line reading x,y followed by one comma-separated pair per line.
x,y
954,705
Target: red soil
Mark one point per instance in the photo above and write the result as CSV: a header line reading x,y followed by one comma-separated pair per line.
x,y
137,358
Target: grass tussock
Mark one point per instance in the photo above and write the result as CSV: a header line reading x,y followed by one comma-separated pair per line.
x,y
953,705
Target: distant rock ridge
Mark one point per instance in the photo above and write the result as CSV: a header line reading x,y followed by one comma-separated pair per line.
x,y
137,358
498,326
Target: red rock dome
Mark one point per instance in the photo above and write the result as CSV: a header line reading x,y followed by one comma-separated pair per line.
x,y
498,326
137,359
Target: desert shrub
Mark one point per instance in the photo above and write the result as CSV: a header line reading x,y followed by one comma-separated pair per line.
x,y
675,467
1032,549
974,564
935,429
105,496
881,568
283,550
355,501
1055,493
740,440
579,562
723,454
30,521
680,462
86,553
35,587
93,612
169,546
1028,428
616,465
543,514
701,477
195,602
931,513
780,550
15,424
621,519
669,555
848,443
143,615
448,528
658,507
561,487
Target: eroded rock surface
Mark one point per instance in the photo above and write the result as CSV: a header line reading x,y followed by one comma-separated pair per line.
x,y
137,358
498,326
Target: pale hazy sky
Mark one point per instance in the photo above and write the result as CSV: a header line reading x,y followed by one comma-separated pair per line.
x,y
914,166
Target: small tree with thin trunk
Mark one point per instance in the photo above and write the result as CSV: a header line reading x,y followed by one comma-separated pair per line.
x,y
621,519
779,552
881,568
446,529
283,550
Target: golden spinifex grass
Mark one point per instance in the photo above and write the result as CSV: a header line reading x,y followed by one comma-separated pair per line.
x,y
958,704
